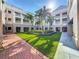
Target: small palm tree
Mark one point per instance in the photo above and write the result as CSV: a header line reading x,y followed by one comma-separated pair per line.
x,y
38,22
50,20
42,13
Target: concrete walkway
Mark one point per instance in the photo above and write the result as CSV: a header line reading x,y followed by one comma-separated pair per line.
x,y
16,48
67,40
66,48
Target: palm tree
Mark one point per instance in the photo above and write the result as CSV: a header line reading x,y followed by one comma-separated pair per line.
x,y
42,14
50,20
38,22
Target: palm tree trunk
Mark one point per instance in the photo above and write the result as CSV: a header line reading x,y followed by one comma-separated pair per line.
x,y
43,28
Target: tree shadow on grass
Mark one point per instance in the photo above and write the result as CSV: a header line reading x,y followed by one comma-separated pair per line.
x,y
35,41
45,50
27,39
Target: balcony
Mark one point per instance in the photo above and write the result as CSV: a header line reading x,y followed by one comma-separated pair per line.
x,y
18,20
64,20
25,21
57,21
8,20
17,14
64,14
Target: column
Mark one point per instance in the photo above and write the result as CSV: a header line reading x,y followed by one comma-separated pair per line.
x,y
14,22
60,29
22,29
1,30
21,19
77,23
1,25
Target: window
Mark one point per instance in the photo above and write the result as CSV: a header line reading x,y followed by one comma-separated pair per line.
x,y
9,19
46,28
57,29
26,29
64,29
40,28
32,28
24,20
57,20
65,13
9,28
9,11
57,14
18,29
17,14
18,19
64,19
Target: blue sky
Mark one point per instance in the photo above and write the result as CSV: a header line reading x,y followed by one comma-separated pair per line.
x,y
33,5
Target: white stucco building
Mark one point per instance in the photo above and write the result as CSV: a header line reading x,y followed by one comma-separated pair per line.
x,y
14,19
60,20
73,10
70,38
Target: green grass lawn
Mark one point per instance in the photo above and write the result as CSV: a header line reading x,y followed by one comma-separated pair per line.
x,y
45,44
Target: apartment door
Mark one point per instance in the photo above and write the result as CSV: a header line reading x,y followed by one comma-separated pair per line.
x,y
57,29
18,29
4,29
46,28
26,29
7,29
64,29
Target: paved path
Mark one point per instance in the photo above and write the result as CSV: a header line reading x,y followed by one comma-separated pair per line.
x,y
67,40
16,48
66,48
